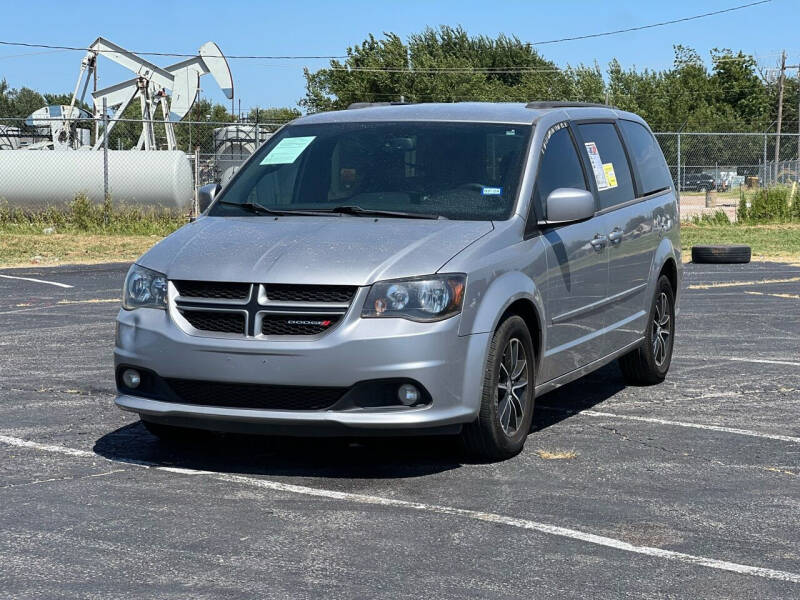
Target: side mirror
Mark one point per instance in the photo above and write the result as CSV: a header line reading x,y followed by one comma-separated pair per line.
x,y
206,195
568,205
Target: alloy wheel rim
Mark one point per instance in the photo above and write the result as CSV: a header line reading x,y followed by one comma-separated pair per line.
x,y
661,329
512,386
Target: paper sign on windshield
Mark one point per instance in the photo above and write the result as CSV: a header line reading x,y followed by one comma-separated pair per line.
x,y
597,166
287,150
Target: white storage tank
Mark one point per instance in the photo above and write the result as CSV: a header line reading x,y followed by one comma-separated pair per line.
x,y
233,144
9,137
34,179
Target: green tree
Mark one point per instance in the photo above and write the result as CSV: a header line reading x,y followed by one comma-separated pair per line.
x,y
24,101
443,65
274,117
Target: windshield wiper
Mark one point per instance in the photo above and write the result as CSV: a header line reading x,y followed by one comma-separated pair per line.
x,y
338,210
375,212
256,208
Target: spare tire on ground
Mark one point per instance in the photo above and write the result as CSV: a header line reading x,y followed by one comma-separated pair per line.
x,y
738,253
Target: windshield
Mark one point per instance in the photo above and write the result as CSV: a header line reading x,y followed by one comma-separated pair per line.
x,y
467,171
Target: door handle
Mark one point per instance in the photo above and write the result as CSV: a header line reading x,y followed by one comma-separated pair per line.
x,y
615,237
599,241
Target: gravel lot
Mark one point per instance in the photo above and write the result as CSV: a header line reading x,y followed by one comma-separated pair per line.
x,y
688,489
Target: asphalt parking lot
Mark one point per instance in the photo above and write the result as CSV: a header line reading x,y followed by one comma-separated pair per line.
x,y
686,489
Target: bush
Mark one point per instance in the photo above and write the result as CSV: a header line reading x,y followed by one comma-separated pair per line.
x,y
742,214
82,216
769,205
719,217
794,211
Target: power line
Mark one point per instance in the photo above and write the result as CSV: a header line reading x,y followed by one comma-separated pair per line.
x,y
304,57
174,54
652,25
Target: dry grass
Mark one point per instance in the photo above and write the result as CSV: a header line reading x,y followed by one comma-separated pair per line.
x,y
18,250
557,454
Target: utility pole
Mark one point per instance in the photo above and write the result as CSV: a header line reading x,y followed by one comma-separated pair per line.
x,y
781,81
781,85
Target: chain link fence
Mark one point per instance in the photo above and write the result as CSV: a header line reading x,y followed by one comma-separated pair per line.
x,y
728,161
186,155
47,164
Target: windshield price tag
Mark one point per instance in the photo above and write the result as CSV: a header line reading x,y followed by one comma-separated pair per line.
x,y
287,150
492,191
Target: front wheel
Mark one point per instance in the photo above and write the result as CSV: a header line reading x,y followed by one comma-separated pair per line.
x,y
506,411
649,363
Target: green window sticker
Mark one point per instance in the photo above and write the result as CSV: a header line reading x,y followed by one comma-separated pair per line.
x,y
287,150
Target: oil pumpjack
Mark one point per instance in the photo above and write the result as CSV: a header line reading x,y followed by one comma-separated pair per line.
x,y
173,89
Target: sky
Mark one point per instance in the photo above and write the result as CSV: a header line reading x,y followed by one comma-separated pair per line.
x,y
312,27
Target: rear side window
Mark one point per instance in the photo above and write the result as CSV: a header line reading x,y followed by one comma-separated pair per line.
x,y
559,168
608,162
648,160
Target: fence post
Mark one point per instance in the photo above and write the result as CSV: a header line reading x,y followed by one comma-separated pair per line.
x,y
679,165
258,132
196,203
765,182
106,195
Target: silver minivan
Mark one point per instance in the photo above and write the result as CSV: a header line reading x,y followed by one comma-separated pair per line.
x,y
409,269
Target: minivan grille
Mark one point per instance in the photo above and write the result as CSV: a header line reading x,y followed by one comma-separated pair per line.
x,y
221,322
253,310
310,293
257,396
213,289
297,324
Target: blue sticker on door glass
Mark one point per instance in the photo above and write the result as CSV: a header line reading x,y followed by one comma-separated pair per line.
x,y
492,191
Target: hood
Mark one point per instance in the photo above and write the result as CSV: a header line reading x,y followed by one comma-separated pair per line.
x,y
314,250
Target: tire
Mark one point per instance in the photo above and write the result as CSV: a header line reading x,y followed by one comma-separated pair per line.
x,y
736,254
504,419
174,435
649,363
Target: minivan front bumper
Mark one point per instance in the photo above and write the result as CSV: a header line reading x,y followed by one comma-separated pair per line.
x,y
449,367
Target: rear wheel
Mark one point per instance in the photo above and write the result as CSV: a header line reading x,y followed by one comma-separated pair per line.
x,y
506,411
649,363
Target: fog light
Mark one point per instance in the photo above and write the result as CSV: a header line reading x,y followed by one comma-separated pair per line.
x,y
408,394
131,378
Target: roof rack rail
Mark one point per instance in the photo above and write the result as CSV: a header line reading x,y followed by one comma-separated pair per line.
x,y
541,104
371,104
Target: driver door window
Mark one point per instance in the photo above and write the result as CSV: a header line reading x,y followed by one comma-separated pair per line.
x,y
559,167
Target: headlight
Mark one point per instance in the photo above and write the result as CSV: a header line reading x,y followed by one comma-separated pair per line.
x,y
144,289
430,298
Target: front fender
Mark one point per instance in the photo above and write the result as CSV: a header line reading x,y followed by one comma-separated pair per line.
x,y
487,301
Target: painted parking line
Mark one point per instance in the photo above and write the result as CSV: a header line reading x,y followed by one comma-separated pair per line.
x,y
727,284
61,303
760,361
61,285
554,530
786,296
719,428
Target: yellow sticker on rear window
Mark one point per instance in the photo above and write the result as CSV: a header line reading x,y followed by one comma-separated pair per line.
x,y
611,177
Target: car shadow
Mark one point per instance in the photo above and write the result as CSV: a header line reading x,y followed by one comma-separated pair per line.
x,y
581,394
330,457
351,458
